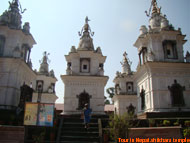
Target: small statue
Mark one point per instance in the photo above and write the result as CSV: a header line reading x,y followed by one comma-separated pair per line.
x,y
73,49
118,74
50,90
150,56
52,73
26,28
117,89
98,50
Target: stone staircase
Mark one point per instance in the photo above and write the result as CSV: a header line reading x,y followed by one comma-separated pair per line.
x,y
72,130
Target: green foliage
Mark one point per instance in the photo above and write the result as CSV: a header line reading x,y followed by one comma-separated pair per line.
x,y
187,123
186,132
166,122
110,91
176,123
39,137
107,101
151,122
119,125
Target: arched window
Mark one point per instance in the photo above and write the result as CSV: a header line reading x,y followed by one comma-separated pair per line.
x,y
2,45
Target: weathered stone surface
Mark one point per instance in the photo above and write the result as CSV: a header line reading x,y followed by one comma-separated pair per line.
x,y
155,132
9,134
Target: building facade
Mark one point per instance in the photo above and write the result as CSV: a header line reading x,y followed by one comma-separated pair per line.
x,y
16,43
162,75
84,80
162,79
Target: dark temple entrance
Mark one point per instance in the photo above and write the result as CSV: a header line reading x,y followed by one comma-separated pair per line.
x,y
83,98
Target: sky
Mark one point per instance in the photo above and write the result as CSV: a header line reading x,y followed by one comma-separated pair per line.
x,y
116,23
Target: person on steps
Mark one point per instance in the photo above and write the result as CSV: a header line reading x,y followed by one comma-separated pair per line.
x,y
87,116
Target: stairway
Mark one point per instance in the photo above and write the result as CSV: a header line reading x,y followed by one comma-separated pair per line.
x,y
73,130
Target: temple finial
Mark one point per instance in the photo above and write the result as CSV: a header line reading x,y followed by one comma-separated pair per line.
x,y
86,20
44,66
155,8
86,28
126,64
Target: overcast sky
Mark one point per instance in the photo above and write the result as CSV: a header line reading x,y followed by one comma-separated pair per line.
x,y
116,23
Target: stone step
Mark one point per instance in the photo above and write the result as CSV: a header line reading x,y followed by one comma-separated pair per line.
x,y
79,129
68,133
70,124
78,120
80,138
73,130
78,142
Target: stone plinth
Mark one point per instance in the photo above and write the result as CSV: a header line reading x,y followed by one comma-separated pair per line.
x,y
155,132
11,134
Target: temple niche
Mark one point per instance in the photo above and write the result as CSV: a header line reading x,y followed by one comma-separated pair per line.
x,y
83,98
142,95
176,92
131,109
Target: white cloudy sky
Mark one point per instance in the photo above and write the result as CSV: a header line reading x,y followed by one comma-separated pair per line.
x,y
116,23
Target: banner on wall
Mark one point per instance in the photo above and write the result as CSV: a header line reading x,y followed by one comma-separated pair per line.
x,y
39,114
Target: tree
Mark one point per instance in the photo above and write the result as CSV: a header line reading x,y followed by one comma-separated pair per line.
x,y
110,91
119,125
107,101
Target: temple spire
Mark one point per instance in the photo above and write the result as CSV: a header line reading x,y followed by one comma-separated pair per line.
x,y
86,28
86,42
126,64
12,16
44,66
155,8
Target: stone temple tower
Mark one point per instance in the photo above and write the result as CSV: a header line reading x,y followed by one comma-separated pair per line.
x,y
125,98
162,76
16,43
84,80
47,80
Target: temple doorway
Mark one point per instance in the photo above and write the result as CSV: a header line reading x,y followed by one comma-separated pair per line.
x,y
83,98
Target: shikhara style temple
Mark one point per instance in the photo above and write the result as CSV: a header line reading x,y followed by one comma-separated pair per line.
x,y
84,80
159,86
